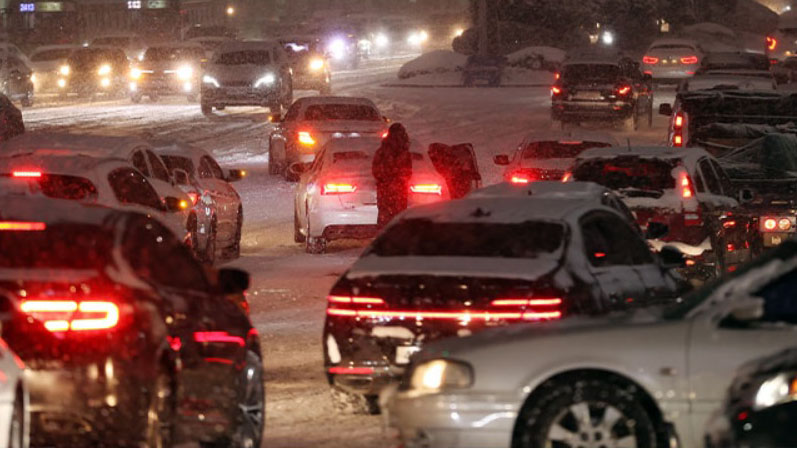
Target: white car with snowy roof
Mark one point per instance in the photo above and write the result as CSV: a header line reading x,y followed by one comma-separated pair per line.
x,y
459,267
336,197
46,62
647,379
548,155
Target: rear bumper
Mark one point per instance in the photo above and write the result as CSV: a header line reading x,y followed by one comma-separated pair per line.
x,y
239,96
670,74
591,109
332,221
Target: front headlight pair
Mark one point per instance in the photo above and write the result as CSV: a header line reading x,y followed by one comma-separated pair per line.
x,y
776,390
441,374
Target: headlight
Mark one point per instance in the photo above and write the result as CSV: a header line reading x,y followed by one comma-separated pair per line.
x,y
64,70
423,36
135,73
267,80
207,79
381,40
777,390
316,64
105,69
438,375
185,72
337,48
32,77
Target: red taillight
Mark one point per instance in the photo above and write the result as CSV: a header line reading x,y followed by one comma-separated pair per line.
x,y
26,174
556,90
686,187
357,370
770,224
521,177
729,224
772,43
526,302
566,177
22,226
355,300
436,189
64,315
650,60
678,123
305,138
557,75
384,134
462,315
219,337
677,140
689,60
337,188
194,196
623,90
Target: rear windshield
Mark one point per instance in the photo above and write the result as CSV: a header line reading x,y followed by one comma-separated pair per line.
x,y
577,73
672,47
173,54
73,246
179,162
51,55
68,187
243,57
653,175
421,237
736,62
320,112
565,150
350,157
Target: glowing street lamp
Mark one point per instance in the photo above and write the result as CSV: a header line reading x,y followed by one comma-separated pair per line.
x,y
230,11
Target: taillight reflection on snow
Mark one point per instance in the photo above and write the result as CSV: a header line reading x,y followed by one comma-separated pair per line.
x,y
67,315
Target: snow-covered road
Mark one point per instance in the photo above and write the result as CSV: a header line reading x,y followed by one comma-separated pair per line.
x,y
289,286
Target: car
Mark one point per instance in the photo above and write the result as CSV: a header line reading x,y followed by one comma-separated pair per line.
x,y
686,191
672,60
95,70
785,72
311,68
336,195
173,69
16,80
14,399
548,155
759,405
312,121
460,267
601,87
45,61
649,378
130,43
122,331
249,73
341,48
11,123
212,192
733,61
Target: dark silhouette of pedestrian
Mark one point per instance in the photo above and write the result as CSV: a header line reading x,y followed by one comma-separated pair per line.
x,y
392,169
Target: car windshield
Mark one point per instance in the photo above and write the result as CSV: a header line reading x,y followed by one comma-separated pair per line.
x,y
173,54
51,55
580,73
359,112
559,149
56,247
423,237
88,57
627,173
179,163
113,41
244,57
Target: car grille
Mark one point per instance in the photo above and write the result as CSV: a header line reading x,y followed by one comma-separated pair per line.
x,y
236,83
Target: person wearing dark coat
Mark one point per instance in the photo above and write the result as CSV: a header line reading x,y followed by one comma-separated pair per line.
x,y
392,169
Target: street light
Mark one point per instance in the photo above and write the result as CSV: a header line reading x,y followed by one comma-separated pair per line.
x,y
230,11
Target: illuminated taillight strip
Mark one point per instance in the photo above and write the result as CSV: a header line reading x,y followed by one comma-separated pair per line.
x,y
357,370
458,316
527,302
22,226
333,188
110,319
354,299
108,314
436,189
218,337
26,174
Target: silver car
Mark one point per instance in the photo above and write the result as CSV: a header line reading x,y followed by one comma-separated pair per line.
x,y
671,60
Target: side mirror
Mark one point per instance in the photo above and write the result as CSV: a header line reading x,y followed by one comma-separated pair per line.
x,y
656,230
665,109
175,204
299,168
235,175
671,257
501,159
233,281
275,118
746,195
180,177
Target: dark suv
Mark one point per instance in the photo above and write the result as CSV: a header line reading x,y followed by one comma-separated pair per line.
x,y
602,89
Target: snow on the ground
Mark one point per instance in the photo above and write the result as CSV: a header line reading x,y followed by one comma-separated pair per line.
x,y
550,54
289,287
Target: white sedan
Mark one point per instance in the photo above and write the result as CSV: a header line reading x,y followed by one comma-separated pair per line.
x,y
644,379
336,196
671,60
14,400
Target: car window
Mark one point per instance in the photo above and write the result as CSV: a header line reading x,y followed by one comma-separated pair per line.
x,y
130,187
680,47
619,206
321,112
215,170
780,303
560,149
204,169
712,182
649,176
56,247
158,170
244,57
293,112
725,181
51,55
609,241
175,162
699,184
68,187
580,73
140,163
149,247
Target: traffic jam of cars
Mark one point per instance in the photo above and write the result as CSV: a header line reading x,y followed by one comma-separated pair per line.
x,y
615,268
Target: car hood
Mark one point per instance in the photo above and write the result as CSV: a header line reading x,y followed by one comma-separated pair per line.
x,y
244,72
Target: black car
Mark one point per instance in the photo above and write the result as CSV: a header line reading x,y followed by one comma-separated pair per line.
x,y
16,80
596,88
95,70
168,70
451,269
126,339
760,407
11,123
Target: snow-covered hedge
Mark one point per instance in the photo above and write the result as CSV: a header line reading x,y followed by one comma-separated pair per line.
x,y
438,61
536,58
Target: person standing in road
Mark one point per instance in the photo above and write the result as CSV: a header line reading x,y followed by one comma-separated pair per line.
x,y
392,169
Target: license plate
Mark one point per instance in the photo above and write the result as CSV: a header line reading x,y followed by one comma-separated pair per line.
x,y
403,354
588,96
771,240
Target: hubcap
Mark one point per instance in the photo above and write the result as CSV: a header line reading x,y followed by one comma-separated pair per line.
x,y
591,424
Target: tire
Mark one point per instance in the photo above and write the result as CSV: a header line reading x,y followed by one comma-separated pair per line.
x,y
16,435
631,123
209,254
313,245
159,428
352,403
191,227
252,404
298,237
234,251
556,416
273,167
287,99
206,109
221,107
650,113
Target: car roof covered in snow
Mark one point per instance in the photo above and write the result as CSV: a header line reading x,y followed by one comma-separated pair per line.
x,y
180,44
583,135
54,47
67,143
62,164
364,144
51,211
576,190
673,41
688,155
178,148
233,45
306,101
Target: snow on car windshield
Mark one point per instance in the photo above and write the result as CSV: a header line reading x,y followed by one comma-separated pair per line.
x,y
244,57
321,112
579,73
51,55
55,247
173,53
422,237
112,41
178,162
554,150
646,175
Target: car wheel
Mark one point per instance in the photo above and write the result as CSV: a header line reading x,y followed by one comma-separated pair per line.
x,y
206,109
587,412
650,113
353,403
298,237
16,436
191,227
252,401
221,107
160,413
273,166
136,98
313,245
209,255
235,249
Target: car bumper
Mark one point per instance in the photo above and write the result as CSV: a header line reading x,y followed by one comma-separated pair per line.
x,y
330,220
164,87
240,96
670,74
452,420
592,109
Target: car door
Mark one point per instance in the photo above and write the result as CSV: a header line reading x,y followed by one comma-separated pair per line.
x,y
159,177
309,187
611,260
224,196
719,344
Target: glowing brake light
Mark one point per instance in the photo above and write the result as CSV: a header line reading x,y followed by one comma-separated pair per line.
x,y
22,226
686,186
689,60
436,189
566,177
526,302
356,370
556,90
305,138
355,300
26,174
650,60
772,43
677,140
218,337
770,224
623,90
384,135
679,121
65,315
336,188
